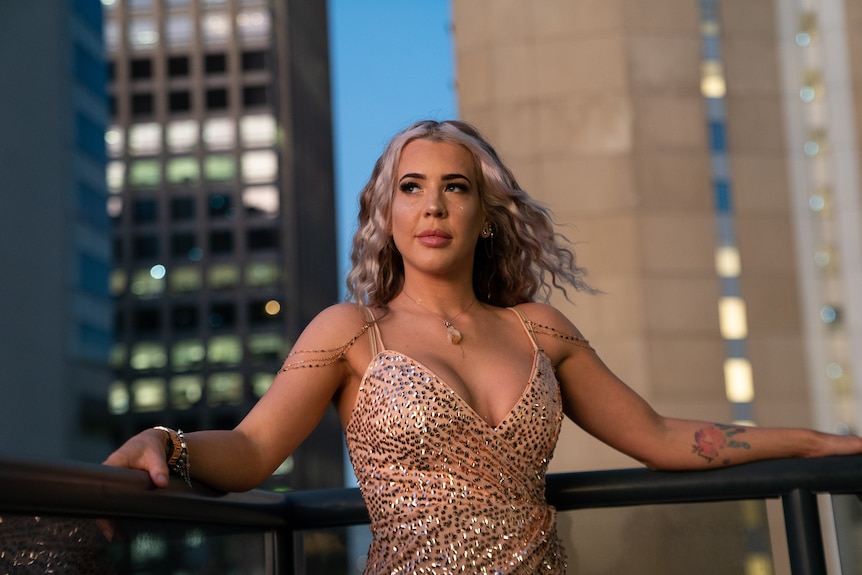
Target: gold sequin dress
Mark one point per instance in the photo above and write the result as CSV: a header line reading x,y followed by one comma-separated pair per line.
x,y
446,492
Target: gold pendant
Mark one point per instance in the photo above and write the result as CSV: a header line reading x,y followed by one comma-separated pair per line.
x,y
453,334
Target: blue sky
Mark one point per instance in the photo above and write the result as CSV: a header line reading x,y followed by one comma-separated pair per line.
x,y
392,64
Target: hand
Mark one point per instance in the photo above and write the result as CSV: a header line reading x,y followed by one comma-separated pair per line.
x,y
144,451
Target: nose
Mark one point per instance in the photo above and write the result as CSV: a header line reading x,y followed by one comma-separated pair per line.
x,y
435,205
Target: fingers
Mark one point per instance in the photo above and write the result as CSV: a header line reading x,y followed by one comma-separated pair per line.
x,y
144,452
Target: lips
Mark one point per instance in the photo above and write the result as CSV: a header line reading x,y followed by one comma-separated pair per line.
x,y
433,238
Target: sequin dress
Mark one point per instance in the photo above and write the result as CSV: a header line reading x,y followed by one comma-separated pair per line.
x,y
446,492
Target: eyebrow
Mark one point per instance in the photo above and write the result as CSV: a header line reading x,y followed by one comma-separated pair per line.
x,y
446,177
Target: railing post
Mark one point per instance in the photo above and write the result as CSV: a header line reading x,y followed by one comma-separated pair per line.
x,y
281,552
804,536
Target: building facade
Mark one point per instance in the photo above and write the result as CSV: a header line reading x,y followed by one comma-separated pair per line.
x,y
55,238
221,190
704,157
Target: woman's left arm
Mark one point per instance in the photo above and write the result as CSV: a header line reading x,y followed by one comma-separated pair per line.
x,y
604,406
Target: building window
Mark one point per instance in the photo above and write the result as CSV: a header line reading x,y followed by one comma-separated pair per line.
x,y
179,101
148,394
262,239
117,282
186,391
141,68
260,166
185,317
253,24
223,276
142,105
215,63
185,279
215,27
253,60
143,34
187,355
146,321
266,347
221,242
182,244
144,285
145,139
145,246
224,350
253,96
182,209
179,30
183,170
220,206
219,133
145,211
258,130
222,315
114,175
262,274
216,98
182,135
114,141
178,66
224,388
261,200
118,398
147,355
145,173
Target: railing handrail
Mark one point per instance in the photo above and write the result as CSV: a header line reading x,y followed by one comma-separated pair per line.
x,y
73,488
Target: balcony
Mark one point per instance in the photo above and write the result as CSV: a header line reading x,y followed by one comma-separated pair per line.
x,y
59,517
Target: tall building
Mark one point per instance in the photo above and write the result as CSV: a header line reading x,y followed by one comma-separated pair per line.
x,y
705,157
55,238
221,184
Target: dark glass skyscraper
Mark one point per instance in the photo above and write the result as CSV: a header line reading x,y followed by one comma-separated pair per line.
x,y
221,189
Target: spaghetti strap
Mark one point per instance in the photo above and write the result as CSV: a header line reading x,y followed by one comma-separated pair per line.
x,y
376,339
528,326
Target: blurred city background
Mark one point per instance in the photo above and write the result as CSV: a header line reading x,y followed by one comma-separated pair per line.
x,y
180,181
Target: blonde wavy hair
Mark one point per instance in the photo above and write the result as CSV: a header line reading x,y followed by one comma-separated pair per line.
x,y
525,259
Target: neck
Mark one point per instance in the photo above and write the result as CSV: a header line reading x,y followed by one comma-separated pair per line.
x,y
445,300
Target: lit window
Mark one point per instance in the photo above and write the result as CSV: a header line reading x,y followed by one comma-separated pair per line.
x,y
114,141
727,262
118,398
732,318
182,135
183,170
262,274
224,350
187,355
178,3
257,130
712,83
215,27
144,285
143,33
114,206
140,5
111,32
185,279
223,276
267,347
259,166
224,388
219,168
179,30
738,380
148,394
145,173
145,139
186,390
262,200
118,282
219,133
115,172
148,355
260,383
253,24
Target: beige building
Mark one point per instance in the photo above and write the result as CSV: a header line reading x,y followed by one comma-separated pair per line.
x,y
704,157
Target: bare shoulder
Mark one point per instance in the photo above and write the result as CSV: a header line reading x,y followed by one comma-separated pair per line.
x,y
549,316
556,333
332,327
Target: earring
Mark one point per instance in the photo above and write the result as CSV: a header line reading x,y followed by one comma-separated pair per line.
x,y
487,231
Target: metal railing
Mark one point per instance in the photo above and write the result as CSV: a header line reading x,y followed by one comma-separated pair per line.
x,y
33,488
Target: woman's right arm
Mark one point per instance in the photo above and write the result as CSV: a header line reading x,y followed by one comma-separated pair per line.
x,y
242,458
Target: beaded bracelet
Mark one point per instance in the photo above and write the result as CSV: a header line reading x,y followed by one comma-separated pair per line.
x,y
177,453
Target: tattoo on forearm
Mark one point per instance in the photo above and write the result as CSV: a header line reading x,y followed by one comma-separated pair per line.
x,y
709,441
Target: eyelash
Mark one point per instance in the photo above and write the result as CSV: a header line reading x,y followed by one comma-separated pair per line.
x,y
410,187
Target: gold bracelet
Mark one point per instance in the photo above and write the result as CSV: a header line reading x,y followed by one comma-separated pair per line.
x,y
177,453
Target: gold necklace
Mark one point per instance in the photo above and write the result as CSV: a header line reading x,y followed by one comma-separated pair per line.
x,y
452,333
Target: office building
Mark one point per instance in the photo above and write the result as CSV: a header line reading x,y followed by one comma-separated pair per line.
x,y
55,238
221,190
705,158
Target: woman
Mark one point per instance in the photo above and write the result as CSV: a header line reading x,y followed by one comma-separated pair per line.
x,y
451,382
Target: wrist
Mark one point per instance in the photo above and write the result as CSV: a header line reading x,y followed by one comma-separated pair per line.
x,y
176,452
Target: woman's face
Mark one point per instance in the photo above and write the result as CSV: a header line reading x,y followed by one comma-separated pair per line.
x,y
436,213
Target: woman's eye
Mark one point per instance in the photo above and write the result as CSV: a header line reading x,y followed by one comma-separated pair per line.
x,y
457,188
408,187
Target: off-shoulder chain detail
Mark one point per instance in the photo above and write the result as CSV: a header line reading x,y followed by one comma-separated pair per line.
x,y
547,330
331,355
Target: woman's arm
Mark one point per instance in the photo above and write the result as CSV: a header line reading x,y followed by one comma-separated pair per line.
x,y
242,458
604,406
